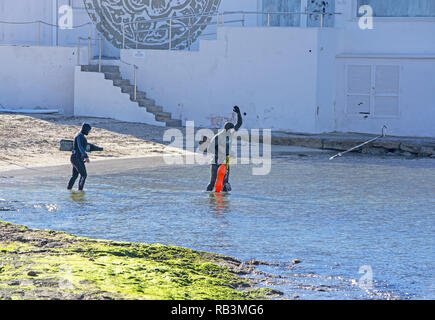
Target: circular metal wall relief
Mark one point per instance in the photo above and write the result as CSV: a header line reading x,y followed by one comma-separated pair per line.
x,y
110,16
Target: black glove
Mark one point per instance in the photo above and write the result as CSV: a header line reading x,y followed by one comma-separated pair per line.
x,y
236,109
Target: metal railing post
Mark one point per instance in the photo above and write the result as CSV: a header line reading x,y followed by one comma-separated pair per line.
x,y
135,83
89,51
243,20
223,18
90,30
321,20
135,35
39,33
99,54
268,19
78,51
188,35
170,34
123,35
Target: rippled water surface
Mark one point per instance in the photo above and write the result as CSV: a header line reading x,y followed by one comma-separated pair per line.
x,y
335,217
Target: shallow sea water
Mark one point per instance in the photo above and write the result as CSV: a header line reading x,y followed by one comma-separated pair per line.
x,y
337,217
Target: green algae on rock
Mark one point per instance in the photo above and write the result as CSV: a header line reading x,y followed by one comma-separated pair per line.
x,y
45,264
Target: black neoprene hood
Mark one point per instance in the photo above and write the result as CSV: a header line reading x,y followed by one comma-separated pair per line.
x,y
228,126
86,128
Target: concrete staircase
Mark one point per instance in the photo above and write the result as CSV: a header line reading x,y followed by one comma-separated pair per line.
x,y
112,73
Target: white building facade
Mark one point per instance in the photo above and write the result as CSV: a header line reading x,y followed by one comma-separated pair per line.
x,y
301,72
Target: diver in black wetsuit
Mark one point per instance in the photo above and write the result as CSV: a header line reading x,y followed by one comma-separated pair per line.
x,y
220,146
79,157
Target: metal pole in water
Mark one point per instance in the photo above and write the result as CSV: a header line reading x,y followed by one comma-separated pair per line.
x,y
384,133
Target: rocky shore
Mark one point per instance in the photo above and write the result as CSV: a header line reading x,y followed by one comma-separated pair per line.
x,y
45,264
389,145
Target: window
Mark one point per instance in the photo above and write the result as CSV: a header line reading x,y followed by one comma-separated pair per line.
x,y
288,20
294,20
400,8
321,6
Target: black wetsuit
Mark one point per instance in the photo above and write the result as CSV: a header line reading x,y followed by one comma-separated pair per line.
x,y
215,166
214,169
78,156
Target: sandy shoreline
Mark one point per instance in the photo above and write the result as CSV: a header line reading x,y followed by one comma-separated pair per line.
x,y
29,144
33,141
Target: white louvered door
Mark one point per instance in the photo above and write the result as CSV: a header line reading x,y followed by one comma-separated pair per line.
x,y
359,84
386,91
373,90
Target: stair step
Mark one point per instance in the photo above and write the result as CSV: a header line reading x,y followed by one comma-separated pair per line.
x,y
127,89
121,82
154,109
140,95
146,102
114,69
95,68
163,116
89,68
174,123
112,75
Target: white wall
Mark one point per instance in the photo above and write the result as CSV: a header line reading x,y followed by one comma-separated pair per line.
x,y
269,72
406,42
329,43
417,99
389,35
43,10
25,11
95,96
38,76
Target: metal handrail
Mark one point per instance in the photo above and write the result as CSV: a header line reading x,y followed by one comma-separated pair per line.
x,y
220,20
135,67
39,22
217,22
207,14
89,39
